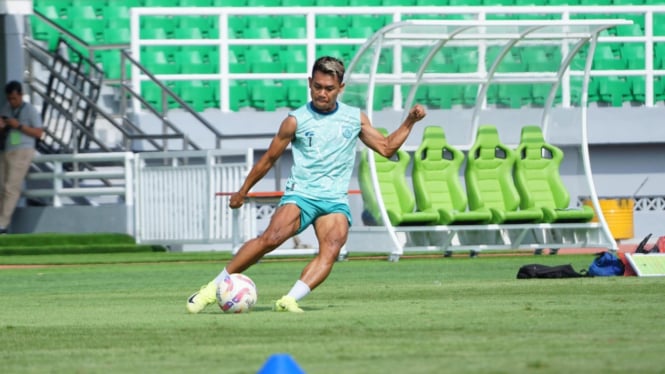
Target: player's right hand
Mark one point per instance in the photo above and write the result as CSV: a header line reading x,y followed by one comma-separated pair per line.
x,y
236,200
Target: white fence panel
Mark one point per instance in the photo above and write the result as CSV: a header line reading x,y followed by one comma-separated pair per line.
x,y
177,201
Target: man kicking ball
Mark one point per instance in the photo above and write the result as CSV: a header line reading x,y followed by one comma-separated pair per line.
x,y
323,135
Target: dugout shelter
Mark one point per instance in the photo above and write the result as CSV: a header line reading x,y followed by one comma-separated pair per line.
x,y
449,54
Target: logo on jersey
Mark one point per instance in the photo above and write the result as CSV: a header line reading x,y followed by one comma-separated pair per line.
x,y
347,132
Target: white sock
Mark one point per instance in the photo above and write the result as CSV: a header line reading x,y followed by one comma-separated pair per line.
x,y
221,276
299,290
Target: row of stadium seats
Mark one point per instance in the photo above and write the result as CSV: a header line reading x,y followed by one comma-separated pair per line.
x,y
265,95
502,185
99,4
268,95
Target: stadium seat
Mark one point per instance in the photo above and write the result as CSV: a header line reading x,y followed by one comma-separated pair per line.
x,y
266,95
158,62
421,95
613,90
489,180
161,3
436,182
637,88
398,198
111,62
633,55
538,180
195,62
297,92
197,94
293,59
195,3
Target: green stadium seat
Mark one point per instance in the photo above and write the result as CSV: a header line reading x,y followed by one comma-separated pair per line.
x,y
188,33
497,2
613,90
297,92
332,2
77,13
260,3
298,2
295,21
605,59
168,24
489,180
576,90
158,62
398,198
540,92
360,32
432,2
197,94
514,95
398,2
153,95
294,60
266,95
195,3
116,15
659,89
372,21
444,96
293,33
97,6
633,55
50,11
332,22
421,96
659,55
637,88
629,30
231,3
539,182
465,2
120,35
194,62
365,2
161,3
44,32
111,63
154,33
87,34
436,182
272,23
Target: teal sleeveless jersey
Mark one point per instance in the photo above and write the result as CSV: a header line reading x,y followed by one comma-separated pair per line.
x,y
324,152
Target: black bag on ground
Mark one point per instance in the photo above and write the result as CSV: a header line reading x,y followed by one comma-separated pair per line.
x,y
545,271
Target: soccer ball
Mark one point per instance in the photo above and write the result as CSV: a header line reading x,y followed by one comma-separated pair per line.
x,y
236,294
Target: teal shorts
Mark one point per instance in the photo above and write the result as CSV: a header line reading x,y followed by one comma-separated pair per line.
x,y
311,209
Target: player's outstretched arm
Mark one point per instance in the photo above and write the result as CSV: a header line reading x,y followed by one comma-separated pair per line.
x,y
277,146
387,146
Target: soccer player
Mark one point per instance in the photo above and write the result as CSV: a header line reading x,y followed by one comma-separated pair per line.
x,y
323,134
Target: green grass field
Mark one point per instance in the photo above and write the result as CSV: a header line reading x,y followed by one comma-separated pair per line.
x,y
125,313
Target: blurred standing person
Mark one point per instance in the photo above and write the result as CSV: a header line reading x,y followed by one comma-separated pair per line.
x,y
20,124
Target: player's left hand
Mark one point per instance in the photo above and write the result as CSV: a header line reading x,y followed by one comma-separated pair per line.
x,y
417,113
236,200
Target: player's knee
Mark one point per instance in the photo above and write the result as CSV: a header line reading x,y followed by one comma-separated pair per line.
x,y
271,240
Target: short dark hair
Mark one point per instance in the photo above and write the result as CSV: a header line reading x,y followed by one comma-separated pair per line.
x,y
13,86
331,66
